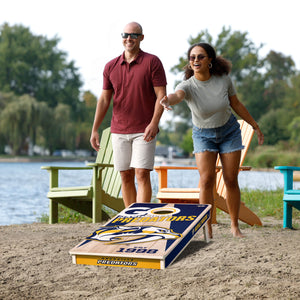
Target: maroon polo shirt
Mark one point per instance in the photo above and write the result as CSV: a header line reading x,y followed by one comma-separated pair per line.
x,y
134,97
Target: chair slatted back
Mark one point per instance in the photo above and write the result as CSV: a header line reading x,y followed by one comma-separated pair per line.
x,y
111,179
247,134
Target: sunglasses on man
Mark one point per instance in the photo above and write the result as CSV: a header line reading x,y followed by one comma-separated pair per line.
x,y
132,35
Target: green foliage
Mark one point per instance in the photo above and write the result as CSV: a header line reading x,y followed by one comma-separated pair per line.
x,y
163,137
67,215
40,95
34,65
270,156
294,129
291,101
187,142
274,125
19,121
236,47
278,66
264,203
250,91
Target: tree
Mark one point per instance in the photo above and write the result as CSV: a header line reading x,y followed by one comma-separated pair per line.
x,y
19,121
279,69
250,92
278,66
34,65
291,100
241,51
83,129
294,128
187,142
274,126
63,130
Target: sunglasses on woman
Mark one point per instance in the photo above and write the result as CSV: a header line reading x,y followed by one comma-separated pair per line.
x,y
199,57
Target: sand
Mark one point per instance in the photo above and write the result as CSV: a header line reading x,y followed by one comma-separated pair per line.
x,y
35,264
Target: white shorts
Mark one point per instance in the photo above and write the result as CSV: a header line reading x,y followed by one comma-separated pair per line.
x,y
132,151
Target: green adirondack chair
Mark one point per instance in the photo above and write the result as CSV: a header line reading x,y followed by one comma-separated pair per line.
x,y
89,200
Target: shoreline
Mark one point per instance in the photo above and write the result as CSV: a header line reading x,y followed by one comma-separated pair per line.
x,y
20,159
177,161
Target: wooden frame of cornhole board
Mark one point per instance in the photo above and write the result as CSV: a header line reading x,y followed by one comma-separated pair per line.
x,y
144,235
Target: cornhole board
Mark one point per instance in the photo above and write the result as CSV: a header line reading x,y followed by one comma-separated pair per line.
x,y
144,235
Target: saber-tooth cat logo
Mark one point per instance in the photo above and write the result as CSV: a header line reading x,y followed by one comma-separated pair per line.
x,y
132,234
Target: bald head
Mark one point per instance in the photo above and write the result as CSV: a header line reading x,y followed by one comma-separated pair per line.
x,y
133,27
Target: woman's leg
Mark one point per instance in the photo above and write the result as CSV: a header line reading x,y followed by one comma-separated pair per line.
x,y
206,163
230,164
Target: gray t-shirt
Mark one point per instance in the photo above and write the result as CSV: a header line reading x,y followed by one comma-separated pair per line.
x,y
208,100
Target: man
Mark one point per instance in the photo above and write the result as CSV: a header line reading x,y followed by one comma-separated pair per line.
x,y
137,82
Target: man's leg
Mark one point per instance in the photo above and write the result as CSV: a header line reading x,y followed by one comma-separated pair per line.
x,y
144,185
128,187
122,149
143,162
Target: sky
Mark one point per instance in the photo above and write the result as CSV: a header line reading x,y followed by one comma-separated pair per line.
x,y
90,30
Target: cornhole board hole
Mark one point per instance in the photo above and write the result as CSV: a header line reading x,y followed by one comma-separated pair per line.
x,y
144,235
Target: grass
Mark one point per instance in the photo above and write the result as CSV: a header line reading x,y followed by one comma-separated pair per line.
x,y
67,215
263,203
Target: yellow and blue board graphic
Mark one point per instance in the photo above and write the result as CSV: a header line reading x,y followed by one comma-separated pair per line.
x,y
144,235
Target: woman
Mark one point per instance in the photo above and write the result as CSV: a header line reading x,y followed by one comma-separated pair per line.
x,y
210,95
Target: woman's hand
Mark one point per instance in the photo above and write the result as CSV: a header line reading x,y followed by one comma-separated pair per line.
x,y
165,103
260,136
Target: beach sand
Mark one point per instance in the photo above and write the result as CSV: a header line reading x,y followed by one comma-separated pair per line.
x,y
35,264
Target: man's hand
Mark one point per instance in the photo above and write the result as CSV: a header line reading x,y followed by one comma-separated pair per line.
x,y
150,133
94,140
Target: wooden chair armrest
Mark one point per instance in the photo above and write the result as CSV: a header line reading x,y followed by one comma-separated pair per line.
x,y
175,168
288,179
50,168
54,171
245,168
100,165
287,168
160,168
163,173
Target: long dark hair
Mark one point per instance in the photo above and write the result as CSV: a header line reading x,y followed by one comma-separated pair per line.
x,y
220,65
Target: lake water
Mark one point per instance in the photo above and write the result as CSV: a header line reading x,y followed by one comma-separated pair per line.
x,y
24,186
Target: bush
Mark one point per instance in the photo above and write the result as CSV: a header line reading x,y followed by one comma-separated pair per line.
x,y
268,157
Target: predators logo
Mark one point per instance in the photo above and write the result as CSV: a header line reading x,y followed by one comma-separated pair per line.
x,y
132,234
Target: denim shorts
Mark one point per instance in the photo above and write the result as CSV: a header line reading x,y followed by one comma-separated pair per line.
x,y
224,139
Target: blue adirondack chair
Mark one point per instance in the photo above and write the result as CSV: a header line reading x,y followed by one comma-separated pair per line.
x,y
89,200
291,196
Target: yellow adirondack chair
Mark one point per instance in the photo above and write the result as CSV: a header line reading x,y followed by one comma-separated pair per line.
x,y
89,200
191,195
